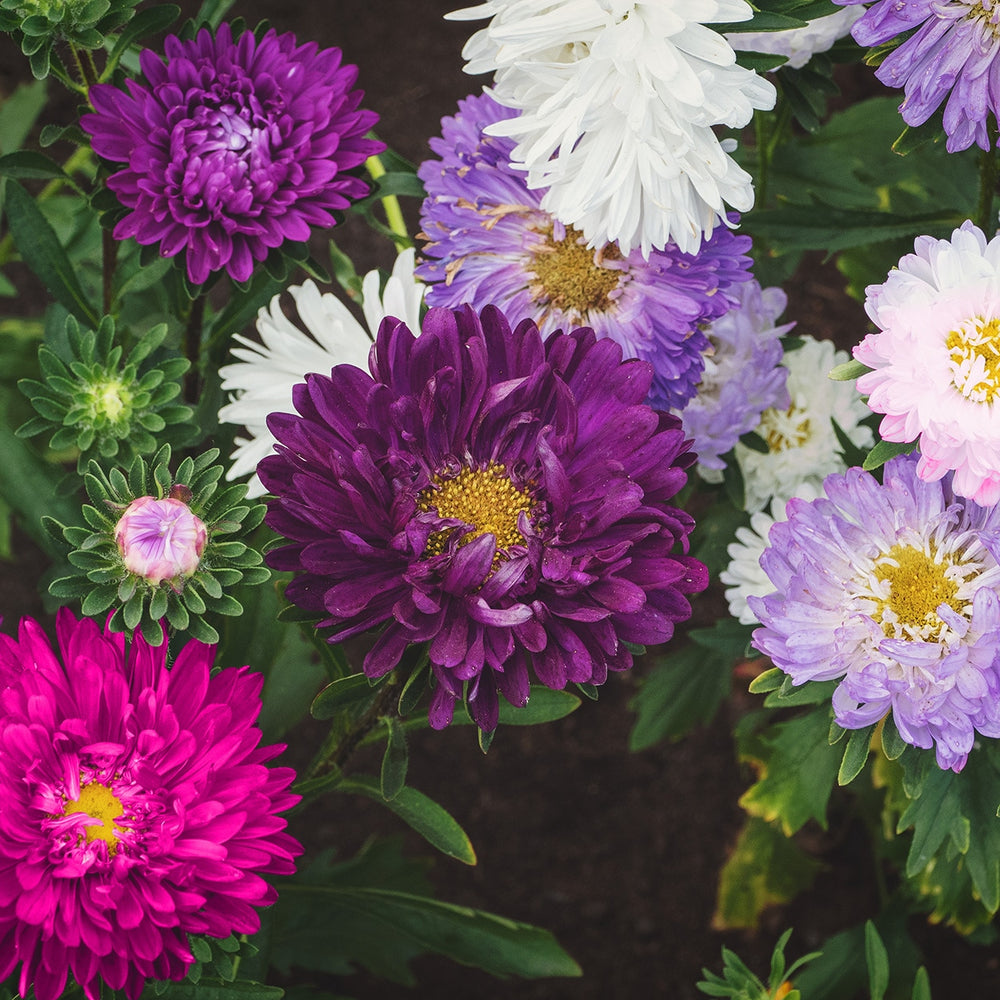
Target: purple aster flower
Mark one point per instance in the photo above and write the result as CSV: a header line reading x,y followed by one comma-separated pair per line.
x,y
232,147
501,499
743,375
490,242
138,808
951,48
894,588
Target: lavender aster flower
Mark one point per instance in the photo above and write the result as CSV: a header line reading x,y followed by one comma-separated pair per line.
x,y
501,499
232,147
894,588
490,242
743,376
138,808
950,51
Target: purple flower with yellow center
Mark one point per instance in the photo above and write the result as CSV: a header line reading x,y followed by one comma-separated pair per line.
x,y
894,589
490,242
138,808
232,147
950,51
500,499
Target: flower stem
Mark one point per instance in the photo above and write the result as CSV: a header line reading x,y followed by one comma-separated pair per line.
x,y
988,171
192,348
85,67
390,203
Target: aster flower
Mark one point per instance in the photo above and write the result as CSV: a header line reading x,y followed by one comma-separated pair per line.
x,y
895,590
935,360
231,147
502,500
802,443
949,52
744,575
489,241
743,376
102,403
617,101
798,45
260,383
138,808
161,547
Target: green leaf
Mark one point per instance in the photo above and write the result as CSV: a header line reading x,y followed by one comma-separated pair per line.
x,y
796,767
544,705
921,985
42,252
848,371
877,959
395,760
765,868
883,451
27,164
433,822
855,755
893,745
147,22
217,989
18,113
351,693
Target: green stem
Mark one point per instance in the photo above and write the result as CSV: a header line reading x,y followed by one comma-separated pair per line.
x,y
390,203
988,172
768,141
85,67
109,260
192,349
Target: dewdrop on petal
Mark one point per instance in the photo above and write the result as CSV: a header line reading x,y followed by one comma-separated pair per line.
x,y
160,539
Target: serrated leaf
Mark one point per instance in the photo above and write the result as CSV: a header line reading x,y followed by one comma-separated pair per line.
x,y
433,822
796,766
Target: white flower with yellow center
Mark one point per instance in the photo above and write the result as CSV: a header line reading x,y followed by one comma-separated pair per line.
x,y
802,444
261,382
618,100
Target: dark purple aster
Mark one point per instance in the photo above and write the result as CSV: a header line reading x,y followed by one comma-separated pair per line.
x,y
231,148
501,499
489,241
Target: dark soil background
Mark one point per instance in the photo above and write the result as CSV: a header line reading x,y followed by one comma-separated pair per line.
x,y
616,853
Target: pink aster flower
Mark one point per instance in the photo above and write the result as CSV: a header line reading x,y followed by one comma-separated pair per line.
x,y
137,808
160,539
936,359
232,146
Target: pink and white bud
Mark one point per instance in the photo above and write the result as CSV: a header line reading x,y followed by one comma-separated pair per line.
x,y
160,539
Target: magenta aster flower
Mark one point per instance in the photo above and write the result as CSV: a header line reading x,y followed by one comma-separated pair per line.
x,y
895,590
935,357
232,147
137,808
501,499
490,242
950,51
160,539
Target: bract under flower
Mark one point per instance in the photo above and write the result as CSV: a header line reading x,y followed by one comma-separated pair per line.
x,y
502,500
232,147
138,808
893,588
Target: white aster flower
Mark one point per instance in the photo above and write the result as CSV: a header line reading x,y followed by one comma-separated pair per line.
x,y
799,45
261,382
617,102
802,444
744,576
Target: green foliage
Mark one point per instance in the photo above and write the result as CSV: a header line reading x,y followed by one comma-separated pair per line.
x,y
685,687
763,869
374,911
101,403
102,580
738,982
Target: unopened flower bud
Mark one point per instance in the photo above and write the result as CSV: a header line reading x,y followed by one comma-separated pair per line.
x,y
160,539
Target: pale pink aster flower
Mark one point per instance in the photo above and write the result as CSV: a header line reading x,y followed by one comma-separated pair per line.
x,y
160,539
936,359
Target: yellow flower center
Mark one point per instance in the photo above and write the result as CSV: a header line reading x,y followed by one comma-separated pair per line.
x,y
570,275
98,802
109,400
784,429
485,499
974,350
918,585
